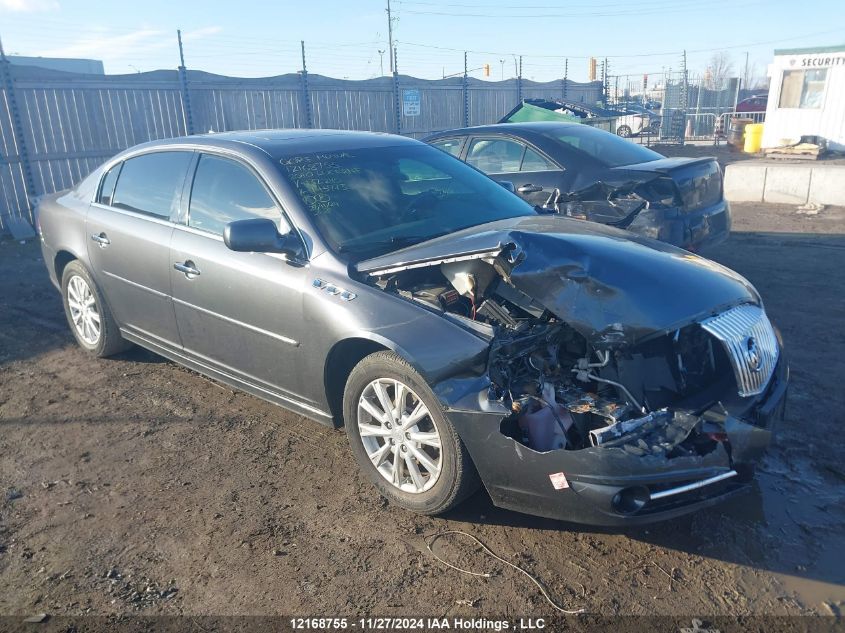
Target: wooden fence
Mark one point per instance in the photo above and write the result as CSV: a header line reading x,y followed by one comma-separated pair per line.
x,y
56,127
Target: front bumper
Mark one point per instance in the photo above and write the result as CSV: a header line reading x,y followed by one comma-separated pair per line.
x,y
607,486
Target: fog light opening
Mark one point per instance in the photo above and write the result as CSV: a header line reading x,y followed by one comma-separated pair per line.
x,y
630,500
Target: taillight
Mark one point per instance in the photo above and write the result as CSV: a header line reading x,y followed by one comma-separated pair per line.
x,y
661,192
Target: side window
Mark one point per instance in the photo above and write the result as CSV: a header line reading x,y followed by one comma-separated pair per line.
x,y
450,145
495,156
532,161
802,88
107,188
225,191
152,183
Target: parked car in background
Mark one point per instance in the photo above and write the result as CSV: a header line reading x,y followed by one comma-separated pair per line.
x,y
757,103
625,122
370,280
586,173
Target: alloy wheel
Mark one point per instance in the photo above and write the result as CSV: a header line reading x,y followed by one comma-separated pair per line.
x,y
399,435
83,310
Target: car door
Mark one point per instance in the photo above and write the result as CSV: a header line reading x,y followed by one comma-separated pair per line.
x,y
129,228
240,313
534,176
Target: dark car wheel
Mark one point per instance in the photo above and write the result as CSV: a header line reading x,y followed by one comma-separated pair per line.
x,y
624,131
402,440
88,315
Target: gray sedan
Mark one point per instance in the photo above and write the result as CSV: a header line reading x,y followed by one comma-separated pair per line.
x,y
460,336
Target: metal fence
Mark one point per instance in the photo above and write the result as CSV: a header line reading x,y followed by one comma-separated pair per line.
x,y
56,127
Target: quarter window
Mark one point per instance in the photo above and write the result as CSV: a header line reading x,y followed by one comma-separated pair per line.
x,y
450,146
225,191
107,188
532,161
802,88
495,156
152,183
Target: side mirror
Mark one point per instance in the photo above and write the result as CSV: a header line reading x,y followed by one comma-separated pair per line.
x,y
259,235
507,184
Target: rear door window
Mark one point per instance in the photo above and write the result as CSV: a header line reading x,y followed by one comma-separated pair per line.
x,y
495,156
152,183
225,191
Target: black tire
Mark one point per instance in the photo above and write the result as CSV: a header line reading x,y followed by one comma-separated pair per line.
x,y
109,342
624,131
458,478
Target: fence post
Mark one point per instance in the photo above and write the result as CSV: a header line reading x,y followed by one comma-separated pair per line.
x,y
306,96
466,92
519,82
183,85
17,131
397,106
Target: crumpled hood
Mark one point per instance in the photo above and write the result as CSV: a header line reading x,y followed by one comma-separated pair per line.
x,y
610,285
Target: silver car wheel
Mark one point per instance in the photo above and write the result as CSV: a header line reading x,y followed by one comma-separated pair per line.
x,y
83,310
399,435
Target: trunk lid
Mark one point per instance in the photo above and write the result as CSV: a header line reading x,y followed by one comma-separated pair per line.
x,y
699,180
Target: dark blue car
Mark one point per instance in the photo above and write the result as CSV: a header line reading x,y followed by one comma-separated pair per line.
x,y
586,173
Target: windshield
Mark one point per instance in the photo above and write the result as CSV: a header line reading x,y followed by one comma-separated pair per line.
x,y
370,201
609,149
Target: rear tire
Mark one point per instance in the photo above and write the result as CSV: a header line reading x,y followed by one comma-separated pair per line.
x,y
624,131
88,315
392,416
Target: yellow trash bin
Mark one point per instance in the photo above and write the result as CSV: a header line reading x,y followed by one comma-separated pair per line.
x,y
753,138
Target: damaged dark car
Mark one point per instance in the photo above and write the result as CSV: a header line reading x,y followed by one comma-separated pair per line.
x,y
589,174
462,338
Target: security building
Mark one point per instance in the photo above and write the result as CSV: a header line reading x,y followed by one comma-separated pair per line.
x,y
806,96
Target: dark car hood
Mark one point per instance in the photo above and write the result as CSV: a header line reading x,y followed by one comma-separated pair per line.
x,y
608,284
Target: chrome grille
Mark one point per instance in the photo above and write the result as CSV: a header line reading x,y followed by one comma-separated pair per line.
x,y
749,340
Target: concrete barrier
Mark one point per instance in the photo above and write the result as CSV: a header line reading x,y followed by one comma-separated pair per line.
x,y
757,181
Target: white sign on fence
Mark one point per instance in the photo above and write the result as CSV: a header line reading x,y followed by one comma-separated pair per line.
x,y
411,102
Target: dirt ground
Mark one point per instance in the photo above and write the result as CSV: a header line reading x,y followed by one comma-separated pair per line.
x,y
132,485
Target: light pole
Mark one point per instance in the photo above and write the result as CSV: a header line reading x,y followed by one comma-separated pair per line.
x,y
381,62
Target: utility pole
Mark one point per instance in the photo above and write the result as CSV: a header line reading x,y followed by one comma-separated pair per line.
x,y
466,91
745,75
306,97
565,77
381,62
183,81
390,38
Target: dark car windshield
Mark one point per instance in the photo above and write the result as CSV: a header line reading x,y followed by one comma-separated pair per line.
x,y
374,200
608,149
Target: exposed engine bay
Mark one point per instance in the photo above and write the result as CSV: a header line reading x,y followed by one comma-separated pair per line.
x,y
565,393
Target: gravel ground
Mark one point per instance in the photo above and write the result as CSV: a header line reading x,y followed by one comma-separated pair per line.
x,y
132,485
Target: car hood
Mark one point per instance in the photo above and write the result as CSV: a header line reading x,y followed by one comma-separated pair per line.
x,y
609,285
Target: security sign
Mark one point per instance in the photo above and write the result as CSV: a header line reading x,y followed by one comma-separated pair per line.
x,y
411,102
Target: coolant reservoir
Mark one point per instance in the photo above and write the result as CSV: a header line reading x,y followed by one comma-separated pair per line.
x,y
544,431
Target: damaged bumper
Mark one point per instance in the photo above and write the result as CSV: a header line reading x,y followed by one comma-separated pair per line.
x,y
608,485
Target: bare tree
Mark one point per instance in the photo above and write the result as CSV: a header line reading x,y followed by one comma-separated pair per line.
x,y
718,70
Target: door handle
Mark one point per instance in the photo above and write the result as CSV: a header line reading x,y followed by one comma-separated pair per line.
x,y
101,239
529,188
188,268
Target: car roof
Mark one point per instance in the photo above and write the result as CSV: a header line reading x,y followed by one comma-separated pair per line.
x,y
278,143
530,127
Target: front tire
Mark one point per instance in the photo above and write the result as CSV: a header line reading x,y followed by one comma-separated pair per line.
x,y
88,315
402,440
624,131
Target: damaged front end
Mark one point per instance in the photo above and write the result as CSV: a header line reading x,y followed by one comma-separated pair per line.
x,y
623,383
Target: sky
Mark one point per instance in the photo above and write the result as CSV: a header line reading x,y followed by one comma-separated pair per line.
x,y
343,39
